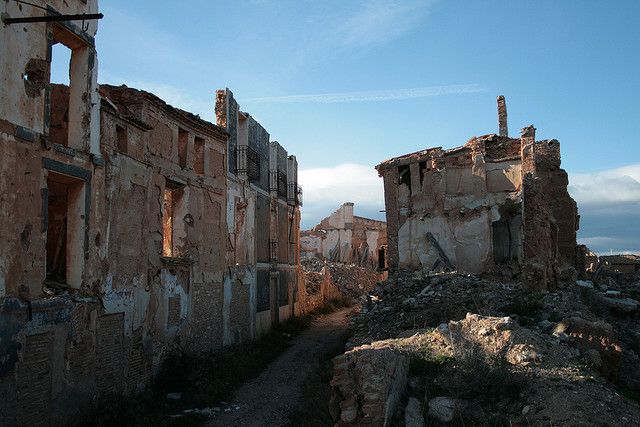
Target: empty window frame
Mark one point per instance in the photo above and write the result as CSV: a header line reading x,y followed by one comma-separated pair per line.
x,y
198,163
382,258
507,234
281,178
173,227
122,139
70,71
183,146
65,230
423,170
404,176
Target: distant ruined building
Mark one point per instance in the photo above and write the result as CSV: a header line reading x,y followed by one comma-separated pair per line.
x,y
347,238
495,204
130,230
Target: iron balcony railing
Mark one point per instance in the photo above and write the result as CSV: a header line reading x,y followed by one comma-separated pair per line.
x,y
294,195
249,162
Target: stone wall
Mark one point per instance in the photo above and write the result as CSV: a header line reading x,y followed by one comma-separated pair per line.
x,y
368,383
112,261
320,289
263,224
495,204
346,238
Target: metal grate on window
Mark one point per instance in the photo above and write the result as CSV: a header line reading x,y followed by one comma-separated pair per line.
x,y
253,164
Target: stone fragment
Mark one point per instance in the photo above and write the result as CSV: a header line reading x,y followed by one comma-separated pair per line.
x,y
625,305
443,408
585,284
413,413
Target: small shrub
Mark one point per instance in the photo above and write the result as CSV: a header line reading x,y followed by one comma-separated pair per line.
x,y
475,375
523,306
428,366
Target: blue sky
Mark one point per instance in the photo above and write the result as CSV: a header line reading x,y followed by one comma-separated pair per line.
x,y
344,85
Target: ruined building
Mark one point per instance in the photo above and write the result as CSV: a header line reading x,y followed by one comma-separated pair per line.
x,y
347,238
496,203
263,214
128,229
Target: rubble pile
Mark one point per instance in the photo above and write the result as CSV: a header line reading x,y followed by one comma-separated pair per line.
x,y
352,281
313,282
485,352
312,264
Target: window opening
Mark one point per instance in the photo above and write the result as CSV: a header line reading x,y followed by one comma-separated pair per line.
x,y
65,231
183,143
405,176
423,171
198,164
173,231
68,76
121,139
60,64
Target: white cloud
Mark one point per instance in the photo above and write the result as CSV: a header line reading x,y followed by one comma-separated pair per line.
x,y
325,189
379,21
608,203
606,188
374,95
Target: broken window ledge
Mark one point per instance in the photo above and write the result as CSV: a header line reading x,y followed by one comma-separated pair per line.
x,y
71,152
177,262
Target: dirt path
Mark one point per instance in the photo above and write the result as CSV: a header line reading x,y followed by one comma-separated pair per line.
x,y
269,399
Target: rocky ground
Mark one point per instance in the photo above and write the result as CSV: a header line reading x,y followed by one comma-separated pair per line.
x,y
454,349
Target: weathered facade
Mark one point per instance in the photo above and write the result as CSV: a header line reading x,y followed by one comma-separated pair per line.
x,y
347,238
124,230
263,215
495,203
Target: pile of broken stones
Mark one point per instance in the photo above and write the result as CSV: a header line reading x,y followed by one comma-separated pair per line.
x,y
452,349
352,280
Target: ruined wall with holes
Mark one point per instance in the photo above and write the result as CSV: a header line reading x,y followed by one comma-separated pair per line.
x,y
347,238
125,233
495,204
263,218
152,148
47,368
67,343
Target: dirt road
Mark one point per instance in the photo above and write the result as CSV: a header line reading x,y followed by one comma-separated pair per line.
x,y
269,399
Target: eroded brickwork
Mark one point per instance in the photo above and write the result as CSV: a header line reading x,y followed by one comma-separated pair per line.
x,y
34,380
128,231
495,204
347,238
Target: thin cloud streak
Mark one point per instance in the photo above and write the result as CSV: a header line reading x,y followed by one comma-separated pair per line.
x,y
379,21
374,95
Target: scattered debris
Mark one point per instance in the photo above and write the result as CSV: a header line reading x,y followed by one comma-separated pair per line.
x,y
484,349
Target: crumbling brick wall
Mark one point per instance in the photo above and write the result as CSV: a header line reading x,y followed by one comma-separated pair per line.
x,y
138,207
264,222
347,238
550,214
496,203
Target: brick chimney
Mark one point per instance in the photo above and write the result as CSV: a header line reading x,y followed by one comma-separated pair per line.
x,y
502,116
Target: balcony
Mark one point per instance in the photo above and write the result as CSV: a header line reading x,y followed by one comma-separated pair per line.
x,y
294,195
249,162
